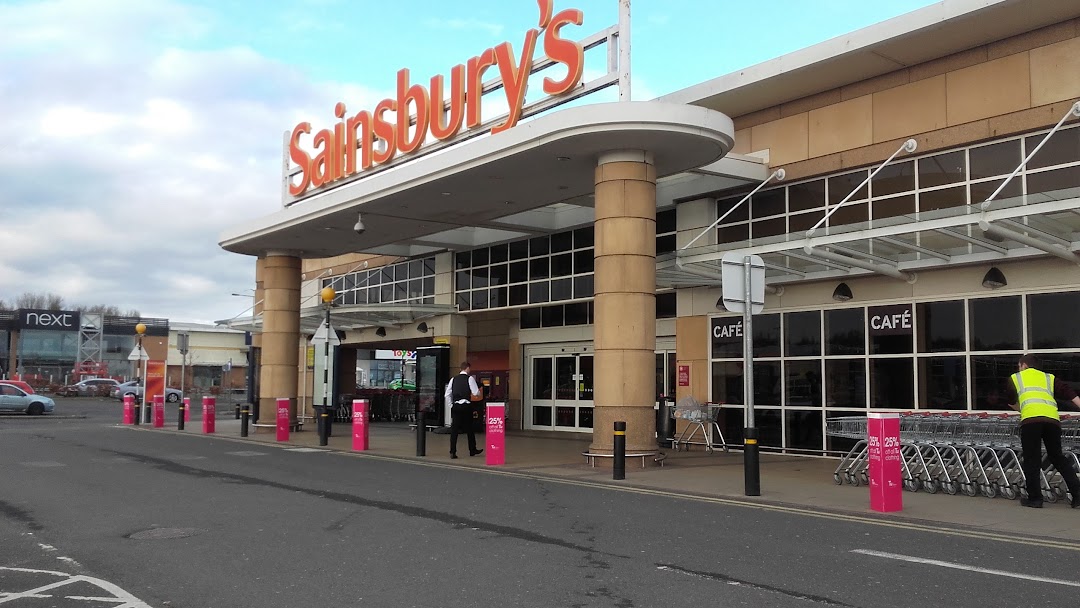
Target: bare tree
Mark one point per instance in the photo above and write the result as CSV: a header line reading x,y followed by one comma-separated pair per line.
x,y
5,306
40,301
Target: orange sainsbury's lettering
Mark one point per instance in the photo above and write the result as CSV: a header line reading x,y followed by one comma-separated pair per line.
x,y
377,137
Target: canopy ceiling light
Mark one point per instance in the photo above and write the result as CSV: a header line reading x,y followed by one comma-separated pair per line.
x,y
842,293
994,278
381,332
422,327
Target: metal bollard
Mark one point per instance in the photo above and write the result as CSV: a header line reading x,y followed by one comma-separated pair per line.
x,y
618,468
324,426
245,418
752,471
421,433
237,411
180,418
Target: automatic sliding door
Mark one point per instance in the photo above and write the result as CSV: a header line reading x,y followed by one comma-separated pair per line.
x,y
542,372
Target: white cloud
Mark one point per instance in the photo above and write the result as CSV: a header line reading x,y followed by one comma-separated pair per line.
x,y
73,121
473,24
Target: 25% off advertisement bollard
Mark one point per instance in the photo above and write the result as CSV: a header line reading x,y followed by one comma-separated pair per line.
x,y
743,280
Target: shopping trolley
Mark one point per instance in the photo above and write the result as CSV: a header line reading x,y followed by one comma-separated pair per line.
x,y
701,418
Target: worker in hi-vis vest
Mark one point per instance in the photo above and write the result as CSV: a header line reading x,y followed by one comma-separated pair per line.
x,y
1035,394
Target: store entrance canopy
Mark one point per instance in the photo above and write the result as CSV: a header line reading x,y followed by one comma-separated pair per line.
x,y
351,317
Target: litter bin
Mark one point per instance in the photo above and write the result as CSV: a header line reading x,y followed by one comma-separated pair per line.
x,y
665,421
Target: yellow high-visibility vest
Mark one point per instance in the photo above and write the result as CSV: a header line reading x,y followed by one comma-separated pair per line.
x,y
1035,392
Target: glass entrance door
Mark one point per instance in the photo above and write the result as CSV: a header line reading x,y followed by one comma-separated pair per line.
x,y
561,392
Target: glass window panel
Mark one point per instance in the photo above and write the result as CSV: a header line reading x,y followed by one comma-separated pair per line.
x,y
562,241
941,326
727,382
803,430
429,267
562,289
583,261
990,381
538,292
845,383
894,179
464,302
541,376
769,202
1053,321
1063,147
850,213
943,383
766,335
401,291
519,250
894,333
530,318
996,159
361,296
802,334
732,422
480,277
733,234
741,213
982,190
1065,366
416,269
666,244
386,293
498,297
1057,180
541,415
585,383
802,222
726,337
480,299
585,417
665,221
942,199
551,316
802,383
562,265
767,383
387,275
373,295
348,298
891,383
583,286
762,229
841,185
374,278
338,283
519,294
540,245
845,332
565,416
350,282
519,272
429,286
894,207
480,256
565,385
499,253
401,272
666,305
583,237
809,195
996,323
462,259
659,368
576,314
539,268
462,280
770,431
416,288
499,274
942,169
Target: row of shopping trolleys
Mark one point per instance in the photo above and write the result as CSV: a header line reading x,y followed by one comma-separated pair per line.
x,y
957,453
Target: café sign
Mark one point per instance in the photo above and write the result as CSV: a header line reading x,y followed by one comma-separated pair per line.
x,y
893,320
368,138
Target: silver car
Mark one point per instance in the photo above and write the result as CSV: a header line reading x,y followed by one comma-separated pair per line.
x,y
14,399
134,388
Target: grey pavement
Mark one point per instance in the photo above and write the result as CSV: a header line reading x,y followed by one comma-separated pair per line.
x,y
181,520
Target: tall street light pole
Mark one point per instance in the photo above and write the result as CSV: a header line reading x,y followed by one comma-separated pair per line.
x,y
327,294
144,412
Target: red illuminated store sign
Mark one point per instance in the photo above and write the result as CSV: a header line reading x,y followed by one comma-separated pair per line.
x,y
360,141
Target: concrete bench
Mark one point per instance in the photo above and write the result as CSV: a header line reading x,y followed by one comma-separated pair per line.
x,y
295,427
591,457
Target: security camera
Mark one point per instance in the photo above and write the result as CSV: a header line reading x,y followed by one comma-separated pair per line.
x,y
359,228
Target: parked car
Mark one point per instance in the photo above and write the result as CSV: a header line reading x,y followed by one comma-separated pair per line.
x,y
14,399
135,388
25,386
93,387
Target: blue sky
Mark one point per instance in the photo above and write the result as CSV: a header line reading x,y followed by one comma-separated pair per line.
x,y
138,130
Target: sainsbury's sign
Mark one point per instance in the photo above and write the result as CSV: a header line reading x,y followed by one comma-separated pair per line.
x,y
360,141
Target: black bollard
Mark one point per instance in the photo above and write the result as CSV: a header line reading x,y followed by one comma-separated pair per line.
x,y
237,411
324,427
245,417
751,466
618,468
421,433
180,419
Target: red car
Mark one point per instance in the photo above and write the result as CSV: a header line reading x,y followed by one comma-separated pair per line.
x,y
19,383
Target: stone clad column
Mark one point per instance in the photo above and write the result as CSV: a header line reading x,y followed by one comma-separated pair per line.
x,y
625,300
280,334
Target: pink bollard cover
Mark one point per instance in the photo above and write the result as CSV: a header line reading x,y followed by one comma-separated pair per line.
x,y
283,419
159,411
129,409
883,448
360,425
187,409
495,454
209,414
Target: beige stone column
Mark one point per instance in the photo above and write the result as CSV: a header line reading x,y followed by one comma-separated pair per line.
x,y
280,334
625,300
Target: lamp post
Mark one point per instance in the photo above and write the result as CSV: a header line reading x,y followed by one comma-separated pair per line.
x,y
327,294
144,412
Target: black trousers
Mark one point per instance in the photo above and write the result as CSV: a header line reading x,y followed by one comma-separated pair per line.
x,y
461,420
1032,435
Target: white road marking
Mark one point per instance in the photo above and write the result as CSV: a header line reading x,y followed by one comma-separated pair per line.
x,y
43,464
304,450
119,598
47,547
955,566
245,453
187,457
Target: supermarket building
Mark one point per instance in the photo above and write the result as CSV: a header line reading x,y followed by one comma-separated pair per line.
x,y
576,254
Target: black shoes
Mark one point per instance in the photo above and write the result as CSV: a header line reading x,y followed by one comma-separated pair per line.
x,y
453,456
1076,502
476,453
1034,504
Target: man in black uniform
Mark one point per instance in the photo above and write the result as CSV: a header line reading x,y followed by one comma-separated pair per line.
x,y
459,394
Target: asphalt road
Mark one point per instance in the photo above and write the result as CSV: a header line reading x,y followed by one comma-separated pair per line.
x,y
93,514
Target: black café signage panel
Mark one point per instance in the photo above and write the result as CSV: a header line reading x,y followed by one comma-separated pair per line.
x,y
889,320
57,320
726,330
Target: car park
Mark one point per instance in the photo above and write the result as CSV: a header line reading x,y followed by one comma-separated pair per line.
x,y
14,399
135,388
25,386
93,387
